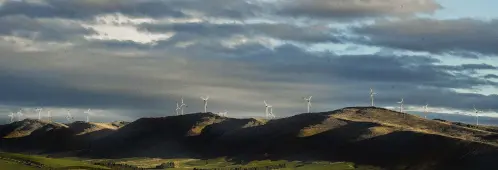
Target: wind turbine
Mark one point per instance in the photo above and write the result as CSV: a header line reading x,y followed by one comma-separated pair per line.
x,y
308,101
69,117
87,112
426,110
205,103
223,113
183,105
49,116
477,115
11,115
270,114
401,105
19,115
177,108
39,110
372,94
267,107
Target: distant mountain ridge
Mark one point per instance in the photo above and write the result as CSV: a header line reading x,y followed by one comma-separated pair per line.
x,y
364,135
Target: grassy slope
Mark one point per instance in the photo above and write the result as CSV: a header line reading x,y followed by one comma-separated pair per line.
x,y
12,165
50,162
223,163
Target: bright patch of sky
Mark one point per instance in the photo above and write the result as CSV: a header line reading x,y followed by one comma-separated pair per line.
x,y
482,9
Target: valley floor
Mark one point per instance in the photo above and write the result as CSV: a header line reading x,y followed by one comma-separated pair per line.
x,y
10,161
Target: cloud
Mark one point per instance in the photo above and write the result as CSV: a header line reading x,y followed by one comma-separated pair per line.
x,y
491,76
87,9
354,9
42,30
458,36
243,9
209,31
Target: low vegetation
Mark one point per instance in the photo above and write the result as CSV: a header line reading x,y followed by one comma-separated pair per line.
x,y
20,161
222,163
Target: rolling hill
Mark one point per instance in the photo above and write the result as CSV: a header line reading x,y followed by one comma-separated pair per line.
x,y
38,136
363,135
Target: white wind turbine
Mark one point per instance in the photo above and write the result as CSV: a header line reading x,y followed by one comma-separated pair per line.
x,y
270,113
49,116
19,115
39,110
177,108
308,102
11,115
266,108
223,113
372,94
426,110
205,99
477,115
68,116
183,105
401,105
88,112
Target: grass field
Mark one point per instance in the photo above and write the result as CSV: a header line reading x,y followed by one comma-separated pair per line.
x,y
14,166
184,164
11,160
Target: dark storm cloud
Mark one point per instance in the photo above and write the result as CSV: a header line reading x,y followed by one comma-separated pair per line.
x,y
466,37
416,78
353,9
35,89
240,9
87,9
373,68
196,31
491,76
475,67
48,30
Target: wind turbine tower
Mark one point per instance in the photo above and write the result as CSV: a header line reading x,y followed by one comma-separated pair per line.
x,y
401,105
372,94
49,116
177,108
11,115
270,113
426,110
266,108
205,99
69,117
87,112
308,102
39,110
183,105
477,115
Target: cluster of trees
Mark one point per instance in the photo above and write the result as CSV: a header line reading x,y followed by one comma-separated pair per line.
x,y
74,167
167,165
23,161
119,166
268,167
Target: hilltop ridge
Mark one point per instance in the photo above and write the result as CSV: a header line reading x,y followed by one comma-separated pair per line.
x,y
351,134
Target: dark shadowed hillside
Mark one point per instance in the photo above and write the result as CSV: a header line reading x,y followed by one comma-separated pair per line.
x,y
47,137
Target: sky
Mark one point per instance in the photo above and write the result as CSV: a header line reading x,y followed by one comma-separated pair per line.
x,y
127,59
